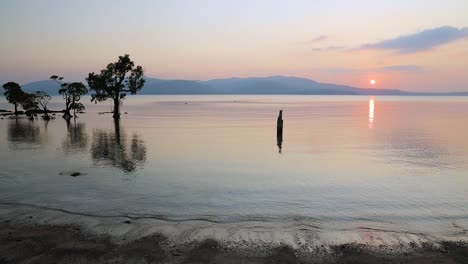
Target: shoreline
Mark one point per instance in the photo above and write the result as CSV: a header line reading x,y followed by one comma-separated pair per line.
x,y
47,236
34,243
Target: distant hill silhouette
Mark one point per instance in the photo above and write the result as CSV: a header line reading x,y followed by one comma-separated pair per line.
x,y
49,86
266,85
252,85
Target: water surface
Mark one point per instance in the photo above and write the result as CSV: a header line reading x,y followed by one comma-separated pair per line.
x,y
344,162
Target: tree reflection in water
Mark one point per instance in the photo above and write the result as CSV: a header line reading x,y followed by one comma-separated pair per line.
x,y
23,131
77,138
113,149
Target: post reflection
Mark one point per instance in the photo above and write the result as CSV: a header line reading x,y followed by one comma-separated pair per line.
x,y
111,148
371,112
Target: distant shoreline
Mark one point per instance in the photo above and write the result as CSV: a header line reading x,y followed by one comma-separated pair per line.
x,y
272,85
455,94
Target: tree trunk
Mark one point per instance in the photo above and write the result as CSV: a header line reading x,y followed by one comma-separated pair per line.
x,y
46,115
16,109
67,114
116,107
117,131
74,108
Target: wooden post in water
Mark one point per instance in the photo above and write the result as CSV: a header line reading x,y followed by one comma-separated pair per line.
x,y
279,131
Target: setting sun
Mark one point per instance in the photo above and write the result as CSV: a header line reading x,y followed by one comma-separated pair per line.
x,y
372,82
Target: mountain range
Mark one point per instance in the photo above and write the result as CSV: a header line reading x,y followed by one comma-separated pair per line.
x,y
280,85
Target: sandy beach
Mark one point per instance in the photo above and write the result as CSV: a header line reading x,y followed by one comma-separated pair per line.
x,y
34,235
20,243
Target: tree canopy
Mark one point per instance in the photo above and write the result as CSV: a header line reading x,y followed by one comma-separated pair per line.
x,y
71,93
16,96
13,94
29,102
115,81
43,100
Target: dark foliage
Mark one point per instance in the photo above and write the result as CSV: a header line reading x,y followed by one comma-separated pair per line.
x,y
115,81
71,93
13,94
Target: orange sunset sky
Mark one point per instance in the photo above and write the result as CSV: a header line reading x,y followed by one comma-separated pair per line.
x,y
408,45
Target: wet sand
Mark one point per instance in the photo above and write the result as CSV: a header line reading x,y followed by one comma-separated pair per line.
x,y
38,243
43,235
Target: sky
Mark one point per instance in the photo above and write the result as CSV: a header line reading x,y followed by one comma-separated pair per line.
x,y
410,45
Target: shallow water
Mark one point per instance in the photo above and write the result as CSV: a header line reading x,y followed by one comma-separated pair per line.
x,y
397,164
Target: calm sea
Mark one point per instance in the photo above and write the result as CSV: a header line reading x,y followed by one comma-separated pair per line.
x,y
398,164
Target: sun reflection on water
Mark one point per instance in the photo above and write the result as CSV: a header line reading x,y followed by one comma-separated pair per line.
x,y
371,112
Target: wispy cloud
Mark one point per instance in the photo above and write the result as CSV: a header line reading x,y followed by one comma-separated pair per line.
x,y
329,48
401,68
318,39
337,70
421,41
392,68
314,41
323,38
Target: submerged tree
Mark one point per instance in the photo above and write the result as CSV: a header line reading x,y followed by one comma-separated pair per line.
x,y
29,102
13,94
71,93
115,81
43,100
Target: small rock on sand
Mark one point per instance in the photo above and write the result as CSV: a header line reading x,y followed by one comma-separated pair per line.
x,y
72,173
